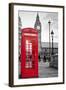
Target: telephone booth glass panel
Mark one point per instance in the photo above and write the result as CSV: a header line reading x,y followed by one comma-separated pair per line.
x,y
28,54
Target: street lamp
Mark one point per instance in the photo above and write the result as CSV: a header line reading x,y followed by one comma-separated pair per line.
x,y
49,22
52,33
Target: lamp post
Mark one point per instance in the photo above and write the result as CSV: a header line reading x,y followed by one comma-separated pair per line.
x,y
52,33
49,22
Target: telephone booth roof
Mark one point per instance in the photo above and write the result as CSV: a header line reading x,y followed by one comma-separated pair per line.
x,y
29,30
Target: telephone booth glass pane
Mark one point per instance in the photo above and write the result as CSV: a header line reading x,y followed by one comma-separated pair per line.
x,y
28,63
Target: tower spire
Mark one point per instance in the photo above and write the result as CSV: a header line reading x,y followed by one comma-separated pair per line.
x,y
37,17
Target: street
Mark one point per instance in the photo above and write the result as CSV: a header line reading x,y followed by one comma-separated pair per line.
x,y
45,71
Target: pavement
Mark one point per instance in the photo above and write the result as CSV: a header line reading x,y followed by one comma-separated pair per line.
x,y
45,71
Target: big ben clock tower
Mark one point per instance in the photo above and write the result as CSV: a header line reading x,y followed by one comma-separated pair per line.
x,y
38,27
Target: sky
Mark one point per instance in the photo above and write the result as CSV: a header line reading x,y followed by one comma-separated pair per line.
x,y
28,19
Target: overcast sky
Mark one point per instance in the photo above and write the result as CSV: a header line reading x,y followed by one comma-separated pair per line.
x,y
28,20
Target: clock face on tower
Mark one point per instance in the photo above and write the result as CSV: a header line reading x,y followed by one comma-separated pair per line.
x,y
38,27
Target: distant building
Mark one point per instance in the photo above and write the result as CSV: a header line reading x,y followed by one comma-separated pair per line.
x,y
45,49
38,27
19,43
19,33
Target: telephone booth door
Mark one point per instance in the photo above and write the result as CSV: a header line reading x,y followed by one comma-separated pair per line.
x,y
29,55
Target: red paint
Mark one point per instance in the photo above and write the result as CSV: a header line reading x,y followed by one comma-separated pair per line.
x,y
29,53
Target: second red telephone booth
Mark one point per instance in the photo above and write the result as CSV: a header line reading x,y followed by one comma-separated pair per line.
x,y
29,53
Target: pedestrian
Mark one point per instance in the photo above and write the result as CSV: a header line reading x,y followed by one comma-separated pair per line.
x,y
44,59
39,58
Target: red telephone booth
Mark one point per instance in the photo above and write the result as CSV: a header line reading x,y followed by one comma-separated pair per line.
x,y
29,53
